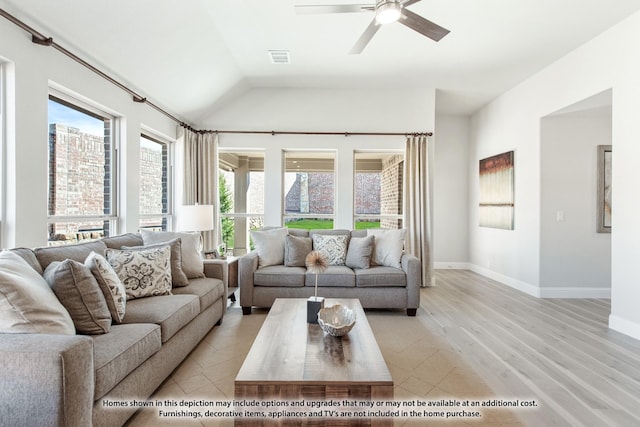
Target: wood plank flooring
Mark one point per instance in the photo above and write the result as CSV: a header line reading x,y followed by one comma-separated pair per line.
x,y
558,352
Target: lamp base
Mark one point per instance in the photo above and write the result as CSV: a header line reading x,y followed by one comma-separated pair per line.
x,y
314,304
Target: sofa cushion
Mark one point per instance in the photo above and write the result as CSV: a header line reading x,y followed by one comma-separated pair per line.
x,y
171,312
27,303
29,256
269,246
178,277
192,261
122,350
380,276
387,247
143,273
128,239
359,252
279,275
207,289
296,250
333,247
77,252
110,284
335,276
79,292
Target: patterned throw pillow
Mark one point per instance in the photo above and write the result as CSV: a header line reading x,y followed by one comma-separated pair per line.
x,y
143,273
333,247
110,285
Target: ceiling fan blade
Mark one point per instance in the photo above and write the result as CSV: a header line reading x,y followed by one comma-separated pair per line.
x,y
332,8
365,38
422,25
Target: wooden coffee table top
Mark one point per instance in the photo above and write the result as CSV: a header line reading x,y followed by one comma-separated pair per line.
x,y
289,350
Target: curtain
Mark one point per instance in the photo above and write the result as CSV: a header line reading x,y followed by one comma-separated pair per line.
x,y
417,205
201,178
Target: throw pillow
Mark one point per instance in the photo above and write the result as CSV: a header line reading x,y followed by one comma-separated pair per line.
x,y
192,261
296,250
359,252
79,292
110,285
270,246
178,278
387,246
333,247
27,303
143,273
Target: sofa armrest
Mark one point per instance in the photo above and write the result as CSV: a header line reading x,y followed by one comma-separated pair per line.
x,y
46,380
412,267
217,269
247,265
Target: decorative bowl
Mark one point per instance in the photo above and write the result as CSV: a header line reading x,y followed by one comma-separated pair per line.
x,y
336,320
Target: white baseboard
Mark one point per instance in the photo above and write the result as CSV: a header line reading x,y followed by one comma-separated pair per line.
x,y
624,326
509,281
529,289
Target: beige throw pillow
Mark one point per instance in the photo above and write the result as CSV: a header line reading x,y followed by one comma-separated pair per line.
x,y
387,246
143,273
79,292
296,250
359,252
110,285
270,246
192,261
27,303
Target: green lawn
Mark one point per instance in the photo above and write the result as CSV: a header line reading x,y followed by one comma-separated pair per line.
x,y
315,224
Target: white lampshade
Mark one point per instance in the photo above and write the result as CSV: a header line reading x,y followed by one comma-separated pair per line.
x,y
196,217
388,11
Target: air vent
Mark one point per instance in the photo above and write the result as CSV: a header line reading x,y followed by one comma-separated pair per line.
x,y
280,56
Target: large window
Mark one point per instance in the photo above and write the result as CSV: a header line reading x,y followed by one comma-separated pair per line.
x,y
82,172
242,192
309,195
378,193
155,183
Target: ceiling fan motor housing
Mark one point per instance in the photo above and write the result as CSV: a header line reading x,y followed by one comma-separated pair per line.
x,y
388,11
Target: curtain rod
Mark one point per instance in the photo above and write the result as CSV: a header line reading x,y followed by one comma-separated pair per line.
x,y
38,38
274,132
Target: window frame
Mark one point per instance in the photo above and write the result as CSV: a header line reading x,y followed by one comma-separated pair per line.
x,y
112,218
167,217
376,217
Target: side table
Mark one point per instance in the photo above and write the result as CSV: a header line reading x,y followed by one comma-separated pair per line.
x,y
227,269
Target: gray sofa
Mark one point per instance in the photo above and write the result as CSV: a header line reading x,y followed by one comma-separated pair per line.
x,y
82,380
376,286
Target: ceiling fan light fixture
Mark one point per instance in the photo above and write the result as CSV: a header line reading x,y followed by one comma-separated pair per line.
x,y
388,11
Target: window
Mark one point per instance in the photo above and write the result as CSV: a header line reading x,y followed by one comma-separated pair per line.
x,y
81,174
309,182
241,187
155,184
378,192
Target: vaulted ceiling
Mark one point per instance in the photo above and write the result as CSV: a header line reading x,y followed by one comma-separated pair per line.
x,y
191,56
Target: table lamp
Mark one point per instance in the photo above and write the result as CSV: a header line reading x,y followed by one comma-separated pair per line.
x,y
196,218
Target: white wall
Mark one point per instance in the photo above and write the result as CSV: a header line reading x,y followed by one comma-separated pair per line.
x,y
321,110
451,192
31,70
512,121
575,259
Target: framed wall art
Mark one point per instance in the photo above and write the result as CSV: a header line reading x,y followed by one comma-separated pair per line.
x,y
604,189
496,199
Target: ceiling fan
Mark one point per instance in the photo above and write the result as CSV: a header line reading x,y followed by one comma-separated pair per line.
x,y
387,11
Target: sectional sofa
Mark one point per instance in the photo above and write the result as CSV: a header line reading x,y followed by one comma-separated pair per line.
x,y
366,264
70,379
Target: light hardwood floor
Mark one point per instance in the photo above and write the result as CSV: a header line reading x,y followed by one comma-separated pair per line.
x,y
559,352
473,338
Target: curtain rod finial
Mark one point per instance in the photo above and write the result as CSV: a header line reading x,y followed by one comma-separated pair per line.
x,y
42,41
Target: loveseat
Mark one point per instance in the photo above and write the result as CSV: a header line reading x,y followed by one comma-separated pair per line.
x,y
98,377
366,264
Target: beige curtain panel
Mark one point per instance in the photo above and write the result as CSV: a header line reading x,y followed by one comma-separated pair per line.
x,y
417,205
201,178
